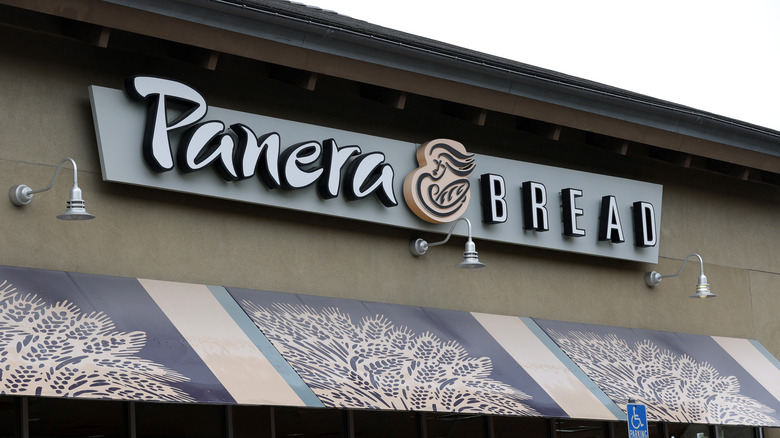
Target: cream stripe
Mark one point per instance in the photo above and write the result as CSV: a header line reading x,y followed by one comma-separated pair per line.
x,y
753,361
241,368
538,361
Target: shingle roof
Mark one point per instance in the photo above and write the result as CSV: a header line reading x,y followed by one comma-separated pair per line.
x,y
318,16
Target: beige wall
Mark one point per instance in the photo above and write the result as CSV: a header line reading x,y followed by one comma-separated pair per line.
x,y
161,235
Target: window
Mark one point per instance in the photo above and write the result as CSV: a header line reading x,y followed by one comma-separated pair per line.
x,y
580,429
681,430
9,417
510,427
384,424
305,423
252,421
454,425
68,417
736,432
164,420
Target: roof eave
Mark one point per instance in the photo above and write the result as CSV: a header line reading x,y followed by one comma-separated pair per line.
x,y
330,33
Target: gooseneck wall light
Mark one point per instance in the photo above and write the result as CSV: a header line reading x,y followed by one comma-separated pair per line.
x,y
75,210
653,279
419,247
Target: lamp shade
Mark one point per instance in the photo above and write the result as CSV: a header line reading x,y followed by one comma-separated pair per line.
x,y
470,258
703,289
75,207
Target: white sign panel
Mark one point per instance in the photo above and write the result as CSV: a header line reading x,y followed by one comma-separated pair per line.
x,y
161,133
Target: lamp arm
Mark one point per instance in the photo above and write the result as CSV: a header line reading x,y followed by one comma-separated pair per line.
x,y
56,172
653,278
701,262
452,228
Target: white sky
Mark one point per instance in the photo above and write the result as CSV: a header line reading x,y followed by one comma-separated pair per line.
x,y
718,56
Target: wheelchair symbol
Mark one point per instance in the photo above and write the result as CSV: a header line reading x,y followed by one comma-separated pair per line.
x,y
636,422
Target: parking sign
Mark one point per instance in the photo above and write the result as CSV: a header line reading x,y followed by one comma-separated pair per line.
x,y
637,421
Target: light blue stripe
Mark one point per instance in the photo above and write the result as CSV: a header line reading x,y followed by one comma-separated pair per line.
x,y
574,369
766,353
264,345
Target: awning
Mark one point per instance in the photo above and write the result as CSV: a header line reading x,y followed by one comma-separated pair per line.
x,y
356,354
65,334
77,335
679,377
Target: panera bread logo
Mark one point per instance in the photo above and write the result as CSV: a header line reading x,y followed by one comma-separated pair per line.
x,y
438,190
520,203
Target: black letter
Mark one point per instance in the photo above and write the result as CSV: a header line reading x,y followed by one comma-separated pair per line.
x,y
333,159
644,224
493,190
156,146
370,173
570,212
206,143
250,150
609,221
534,211
293,177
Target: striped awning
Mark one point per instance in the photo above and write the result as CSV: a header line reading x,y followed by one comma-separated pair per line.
x,y
679,377
362,355
66,334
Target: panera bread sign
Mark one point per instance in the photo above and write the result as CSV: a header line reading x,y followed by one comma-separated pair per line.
x,y
161,133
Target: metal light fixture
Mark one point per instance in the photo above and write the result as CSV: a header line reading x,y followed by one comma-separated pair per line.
x,y
653,279
22,195
419,247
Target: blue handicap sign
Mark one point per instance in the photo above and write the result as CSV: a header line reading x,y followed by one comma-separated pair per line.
x,y
637,421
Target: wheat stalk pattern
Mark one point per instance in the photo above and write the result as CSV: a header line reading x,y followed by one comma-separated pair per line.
x,y
375,364
55,349
674,387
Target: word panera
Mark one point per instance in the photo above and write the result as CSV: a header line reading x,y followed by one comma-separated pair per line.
x,y
243,154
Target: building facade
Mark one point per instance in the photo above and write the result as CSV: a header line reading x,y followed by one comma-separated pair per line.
x,y
258,169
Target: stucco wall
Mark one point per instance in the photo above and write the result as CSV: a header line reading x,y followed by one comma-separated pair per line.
x,y
161,235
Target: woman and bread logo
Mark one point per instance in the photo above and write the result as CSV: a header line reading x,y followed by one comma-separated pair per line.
x,y
438,190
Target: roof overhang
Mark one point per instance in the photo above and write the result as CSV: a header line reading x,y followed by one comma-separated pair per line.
x,y
302,37
74,335
329,33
